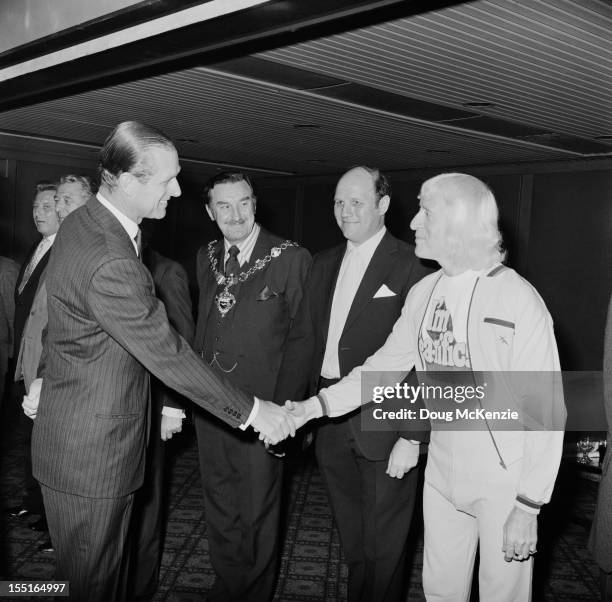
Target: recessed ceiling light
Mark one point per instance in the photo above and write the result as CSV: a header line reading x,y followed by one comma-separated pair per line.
x,y
188,140
437,151
479,105
604,137
306,126
317,160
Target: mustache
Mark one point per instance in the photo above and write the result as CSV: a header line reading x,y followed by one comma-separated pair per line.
x,y
235,222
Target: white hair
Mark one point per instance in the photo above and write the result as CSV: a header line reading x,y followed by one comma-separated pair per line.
x,y
474,240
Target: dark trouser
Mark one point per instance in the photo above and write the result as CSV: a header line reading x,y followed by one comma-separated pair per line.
x,y
32,499
242,490
90,537
373,513
605,586
146,537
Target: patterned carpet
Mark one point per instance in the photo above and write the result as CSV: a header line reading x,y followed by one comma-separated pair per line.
x,y
312,568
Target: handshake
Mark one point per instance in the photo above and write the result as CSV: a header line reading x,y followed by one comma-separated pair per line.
x,y
275,423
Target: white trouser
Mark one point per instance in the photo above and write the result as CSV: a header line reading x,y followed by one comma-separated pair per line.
x,y
466,500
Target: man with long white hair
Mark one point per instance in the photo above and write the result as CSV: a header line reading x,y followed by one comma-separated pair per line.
x,y
483,487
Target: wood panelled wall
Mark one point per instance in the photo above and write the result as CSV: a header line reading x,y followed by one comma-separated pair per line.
x,y
556,221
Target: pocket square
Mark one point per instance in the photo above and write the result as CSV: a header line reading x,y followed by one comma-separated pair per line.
x,y
384,291
266,293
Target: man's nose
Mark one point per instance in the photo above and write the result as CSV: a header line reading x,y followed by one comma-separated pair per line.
x,y
175,189
347,210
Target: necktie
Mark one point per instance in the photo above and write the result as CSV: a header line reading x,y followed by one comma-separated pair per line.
x,y
41,249
231,265
138,241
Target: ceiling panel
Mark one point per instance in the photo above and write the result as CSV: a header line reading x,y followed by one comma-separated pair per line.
x,y
392,95
543,62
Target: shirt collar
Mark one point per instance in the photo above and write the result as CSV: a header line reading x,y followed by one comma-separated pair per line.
x,y
367,248
245,247
49,239
129,226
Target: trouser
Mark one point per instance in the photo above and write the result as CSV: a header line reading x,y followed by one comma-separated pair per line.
x,y
90,540
32,500
242,491
466,501
373,513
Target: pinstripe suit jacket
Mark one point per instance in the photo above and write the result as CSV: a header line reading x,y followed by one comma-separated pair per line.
x,y
106,332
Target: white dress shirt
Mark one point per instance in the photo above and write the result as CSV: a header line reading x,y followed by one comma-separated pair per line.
x,y
352,269
245,247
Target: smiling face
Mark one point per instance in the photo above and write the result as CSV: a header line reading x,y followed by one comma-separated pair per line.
x,y
232,206
43,211
356,209
149,195
69,196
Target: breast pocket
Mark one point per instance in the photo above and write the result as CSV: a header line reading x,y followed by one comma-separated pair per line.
x,y
500,336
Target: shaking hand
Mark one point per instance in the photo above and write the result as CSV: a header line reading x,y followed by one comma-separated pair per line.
x,y
273,423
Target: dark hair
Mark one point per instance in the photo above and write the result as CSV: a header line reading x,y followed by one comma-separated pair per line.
x,y
225,177
124,151
382,186
84,181
45,185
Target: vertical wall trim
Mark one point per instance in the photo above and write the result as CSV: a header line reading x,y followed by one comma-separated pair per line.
x,y
523,221
12,200
298,214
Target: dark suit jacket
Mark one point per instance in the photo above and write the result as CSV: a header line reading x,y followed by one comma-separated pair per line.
x,y
266,306
369,322
106,332
9,271
172,289
24,300
600,542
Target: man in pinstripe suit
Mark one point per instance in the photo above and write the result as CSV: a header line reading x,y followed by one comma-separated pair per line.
x,y
106,332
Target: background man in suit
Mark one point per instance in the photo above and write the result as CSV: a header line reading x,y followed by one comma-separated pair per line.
x,y
106,332
172,289
600,542
241,331
45,219
72,192
355,294
9,271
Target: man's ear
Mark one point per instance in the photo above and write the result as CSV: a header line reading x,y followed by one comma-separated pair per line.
x,y
127,183
383,204
210,212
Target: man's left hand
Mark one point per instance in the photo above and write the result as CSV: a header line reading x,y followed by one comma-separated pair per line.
x,y
403,457
170,426
520,535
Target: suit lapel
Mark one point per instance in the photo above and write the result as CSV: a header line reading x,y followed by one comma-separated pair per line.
x,y
210,291
328,280
262,247
374,277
